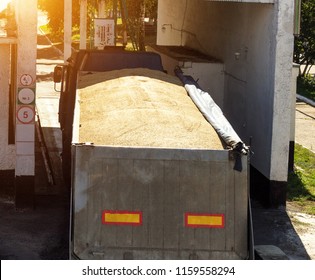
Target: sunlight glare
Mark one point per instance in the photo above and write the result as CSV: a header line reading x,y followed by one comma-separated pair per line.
x,y
3,4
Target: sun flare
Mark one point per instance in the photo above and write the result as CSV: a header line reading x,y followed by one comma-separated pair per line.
x,y
3,4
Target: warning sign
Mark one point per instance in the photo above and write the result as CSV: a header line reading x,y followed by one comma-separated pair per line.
x,y
104,32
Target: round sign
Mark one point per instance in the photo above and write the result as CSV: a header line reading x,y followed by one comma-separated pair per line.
x,y
25,114
26,96
26,80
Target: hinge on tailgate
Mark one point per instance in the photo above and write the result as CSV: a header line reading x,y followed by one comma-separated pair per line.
x,y
236,155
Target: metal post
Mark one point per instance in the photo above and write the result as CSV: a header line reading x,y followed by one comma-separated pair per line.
x,y
83,23
67,28
297,17
115,20
101,9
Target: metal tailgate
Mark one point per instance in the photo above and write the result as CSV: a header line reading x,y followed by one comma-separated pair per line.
x,y
143,203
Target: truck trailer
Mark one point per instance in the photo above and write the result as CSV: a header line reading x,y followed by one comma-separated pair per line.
x,y
155,170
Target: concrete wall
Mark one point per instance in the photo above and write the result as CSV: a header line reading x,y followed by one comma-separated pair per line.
x,y
7,152
255,43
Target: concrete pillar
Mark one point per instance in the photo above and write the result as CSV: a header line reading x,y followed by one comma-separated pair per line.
x,y
295,73
26,17
83,23
67,28
282,102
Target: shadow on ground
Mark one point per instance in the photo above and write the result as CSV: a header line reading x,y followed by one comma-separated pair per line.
x,y
41,233
274,227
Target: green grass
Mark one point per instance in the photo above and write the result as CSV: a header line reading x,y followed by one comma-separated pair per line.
x,y
301,183
306,86
46,29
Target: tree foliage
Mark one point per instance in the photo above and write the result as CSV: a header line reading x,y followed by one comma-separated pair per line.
x,y
136,11
304,47
55,13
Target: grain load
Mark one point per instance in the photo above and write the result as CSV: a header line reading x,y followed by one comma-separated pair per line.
x,y
141,108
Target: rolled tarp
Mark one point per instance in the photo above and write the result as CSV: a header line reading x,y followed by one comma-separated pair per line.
x,y
212,113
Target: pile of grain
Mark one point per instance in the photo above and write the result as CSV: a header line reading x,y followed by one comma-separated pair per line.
x,y
143,108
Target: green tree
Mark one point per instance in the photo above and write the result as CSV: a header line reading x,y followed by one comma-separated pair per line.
x,y
304,47
55,14
136,10
135,23
151,8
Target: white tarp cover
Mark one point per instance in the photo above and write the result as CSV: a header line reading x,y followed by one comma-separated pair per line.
x,y
212,113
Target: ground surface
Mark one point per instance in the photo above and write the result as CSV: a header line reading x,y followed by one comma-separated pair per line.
x,y
289,229
305,125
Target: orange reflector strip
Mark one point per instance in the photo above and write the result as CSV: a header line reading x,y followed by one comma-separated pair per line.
x,y
204,220
122,218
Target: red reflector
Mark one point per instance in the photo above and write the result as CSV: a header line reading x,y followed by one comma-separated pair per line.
x,y
204,220
113,217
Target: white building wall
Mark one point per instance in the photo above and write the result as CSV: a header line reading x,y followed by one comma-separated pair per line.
x,y
282,97
256,49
